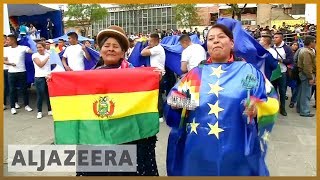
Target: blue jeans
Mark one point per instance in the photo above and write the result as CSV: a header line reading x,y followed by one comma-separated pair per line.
x,y
281,86
294,92
42,92
15,79
304,95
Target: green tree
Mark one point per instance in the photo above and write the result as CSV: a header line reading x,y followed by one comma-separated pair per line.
x,y
236,10
186,15
84,15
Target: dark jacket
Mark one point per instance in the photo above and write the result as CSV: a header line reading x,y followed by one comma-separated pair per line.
x,y
307,63
289,54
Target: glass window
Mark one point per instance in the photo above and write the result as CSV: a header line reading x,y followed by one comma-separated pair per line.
x,y
164,12
145,15
145,29
169,11
164,19
154,12
112,16
117,16
150,28
158,12
125,14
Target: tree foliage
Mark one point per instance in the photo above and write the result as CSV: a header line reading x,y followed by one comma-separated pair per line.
x,y
236,10
84,15
186,15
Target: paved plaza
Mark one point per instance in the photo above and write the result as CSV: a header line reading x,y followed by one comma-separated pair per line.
x,y
292,144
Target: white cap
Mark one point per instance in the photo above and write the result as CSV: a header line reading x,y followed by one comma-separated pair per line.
x,y
50,41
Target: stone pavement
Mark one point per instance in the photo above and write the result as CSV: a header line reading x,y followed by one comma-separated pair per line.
x,y
292,144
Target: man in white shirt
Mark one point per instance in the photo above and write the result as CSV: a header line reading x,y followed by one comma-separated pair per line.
x,y
192,54
157,60
156,53
266,41
270,63
285,58
5,77
15,59
75,54
131,47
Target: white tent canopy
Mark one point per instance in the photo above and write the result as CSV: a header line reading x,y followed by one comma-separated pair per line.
x,y
28,9
6,20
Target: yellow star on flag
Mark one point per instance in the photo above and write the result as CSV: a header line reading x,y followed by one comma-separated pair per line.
x,y
194,126
217,71
215,88
214,129
215,109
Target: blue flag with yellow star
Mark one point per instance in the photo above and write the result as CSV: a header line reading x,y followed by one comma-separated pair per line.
x,y
216,139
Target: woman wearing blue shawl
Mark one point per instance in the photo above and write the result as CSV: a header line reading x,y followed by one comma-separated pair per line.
x,y
221,114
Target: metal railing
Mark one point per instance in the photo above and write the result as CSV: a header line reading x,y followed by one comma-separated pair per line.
x,y
290,37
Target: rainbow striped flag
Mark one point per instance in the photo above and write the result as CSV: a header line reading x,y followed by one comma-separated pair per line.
x,y
110,106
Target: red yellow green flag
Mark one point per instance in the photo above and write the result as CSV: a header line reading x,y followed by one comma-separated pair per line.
x,y
110,106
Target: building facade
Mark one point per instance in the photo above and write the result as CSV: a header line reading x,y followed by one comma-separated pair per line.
x,y
156,16
248,17
145,20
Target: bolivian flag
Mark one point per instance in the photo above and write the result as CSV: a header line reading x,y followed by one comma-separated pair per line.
x,y
110,106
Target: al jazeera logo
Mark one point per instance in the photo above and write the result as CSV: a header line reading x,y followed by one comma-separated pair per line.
x,y
104,107
72,158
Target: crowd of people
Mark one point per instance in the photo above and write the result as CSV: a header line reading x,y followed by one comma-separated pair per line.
x,y
15,69
25,29
115,46
298,70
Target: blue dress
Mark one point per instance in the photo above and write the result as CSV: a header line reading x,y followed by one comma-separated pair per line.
x,y
215,139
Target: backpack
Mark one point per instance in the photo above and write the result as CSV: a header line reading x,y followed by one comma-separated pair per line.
x,y
295,69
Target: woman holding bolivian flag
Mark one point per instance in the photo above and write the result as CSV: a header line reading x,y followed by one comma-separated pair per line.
x,y
119,108
221,114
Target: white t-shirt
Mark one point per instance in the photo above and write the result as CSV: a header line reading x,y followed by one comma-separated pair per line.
x,y
273,52
5,49
158,57
45,70
17,55
128,53
75,55
283,54
193,55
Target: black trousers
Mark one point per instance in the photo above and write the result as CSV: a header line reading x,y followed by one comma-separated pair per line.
x,y
160,99
16,79
146,160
